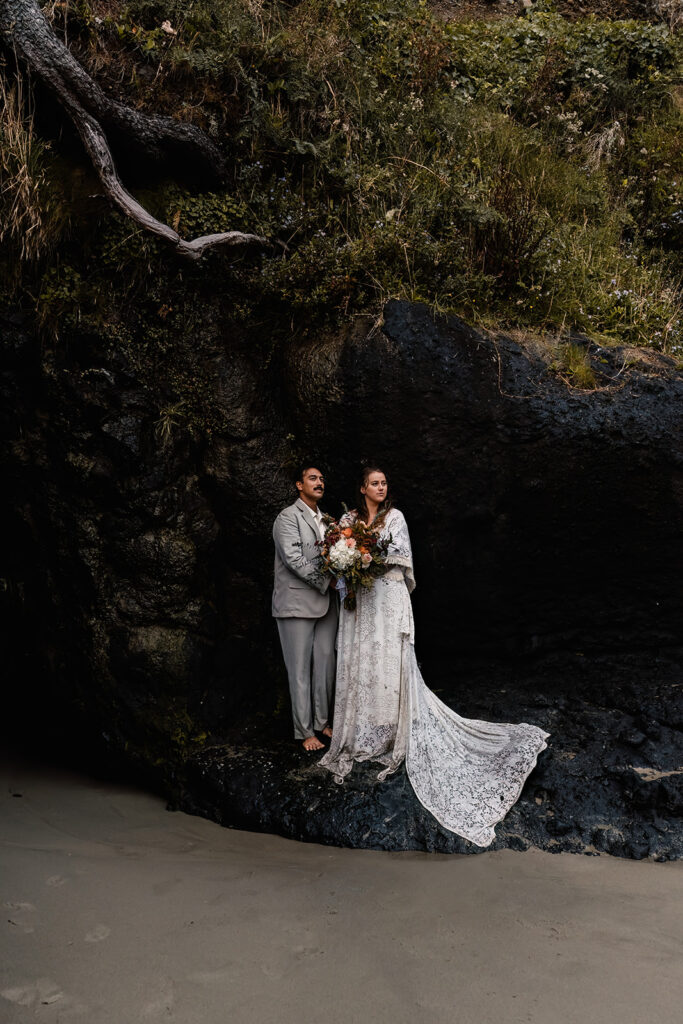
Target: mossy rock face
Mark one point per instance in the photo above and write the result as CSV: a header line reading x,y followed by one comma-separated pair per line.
x,y
160,651
170,553
545,518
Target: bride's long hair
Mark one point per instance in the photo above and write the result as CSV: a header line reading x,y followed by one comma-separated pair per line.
x,y
365,474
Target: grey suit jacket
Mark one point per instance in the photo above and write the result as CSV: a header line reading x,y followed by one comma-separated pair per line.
x,y
298,592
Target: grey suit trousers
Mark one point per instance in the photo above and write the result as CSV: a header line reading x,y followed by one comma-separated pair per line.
x,y
308,650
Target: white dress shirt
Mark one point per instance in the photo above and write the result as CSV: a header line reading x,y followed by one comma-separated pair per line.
x,y
317,518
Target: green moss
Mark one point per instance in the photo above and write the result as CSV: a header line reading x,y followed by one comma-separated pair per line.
x,y
164,737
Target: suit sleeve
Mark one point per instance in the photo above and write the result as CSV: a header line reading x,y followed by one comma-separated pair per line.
x,y
288,545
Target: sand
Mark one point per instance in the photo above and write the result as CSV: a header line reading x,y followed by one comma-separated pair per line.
x,y
116,910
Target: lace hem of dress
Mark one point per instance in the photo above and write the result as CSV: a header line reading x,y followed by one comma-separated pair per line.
x,y
486,835
373,743
342,767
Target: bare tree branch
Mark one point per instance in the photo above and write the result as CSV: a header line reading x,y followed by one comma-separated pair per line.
x,y
25,30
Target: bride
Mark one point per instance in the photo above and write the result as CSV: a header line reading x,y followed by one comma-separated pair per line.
x,y
467,773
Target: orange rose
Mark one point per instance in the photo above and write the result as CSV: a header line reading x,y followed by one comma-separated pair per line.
x,y
347,531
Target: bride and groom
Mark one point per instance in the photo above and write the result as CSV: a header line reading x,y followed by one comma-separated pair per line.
x,y
467,773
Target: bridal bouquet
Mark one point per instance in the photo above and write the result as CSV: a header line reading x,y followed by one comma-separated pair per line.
x,y
354,554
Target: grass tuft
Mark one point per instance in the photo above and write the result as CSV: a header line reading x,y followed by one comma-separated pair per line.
x,y
573,365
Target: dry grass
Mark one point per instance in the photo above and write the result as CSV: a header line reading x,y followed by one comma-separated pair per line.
x,y
601,146
670,11
25,215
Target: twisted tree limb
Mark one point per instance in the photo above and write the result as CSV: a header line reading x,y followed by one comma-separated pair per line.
x,y
25,30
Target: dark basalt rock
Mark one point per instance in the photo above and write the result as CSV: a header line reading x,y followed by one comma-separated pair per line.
x,y
589,792
547,527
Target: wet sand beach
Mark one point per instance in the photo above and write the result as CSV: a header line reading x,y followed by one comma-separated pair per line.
x,y
116,910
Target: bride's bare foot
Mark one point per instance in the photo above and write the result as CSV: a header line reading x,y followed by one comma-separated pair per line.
x,y
327,731
313,743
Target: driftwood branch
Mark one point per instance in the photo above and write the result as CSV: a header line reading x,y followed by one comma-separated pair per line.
x,y
26,31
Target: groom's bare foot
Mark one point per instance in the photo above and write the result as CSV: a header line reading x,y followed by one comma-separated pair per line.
x,y
313,743
327,731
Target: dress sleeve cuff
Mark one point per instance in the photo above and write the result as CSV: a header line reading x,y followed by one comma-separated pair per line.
x,y
407,564
399,560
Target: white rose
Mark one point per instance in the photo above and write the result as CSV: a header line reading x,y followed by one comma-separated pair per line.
x,y
342,556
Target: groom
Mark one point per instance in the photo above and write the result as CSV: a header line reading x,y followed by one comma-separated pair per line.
x,y
304,609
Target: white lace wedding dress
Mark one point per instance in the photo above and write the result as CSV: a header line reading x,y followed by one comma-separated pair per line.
x,y
467,773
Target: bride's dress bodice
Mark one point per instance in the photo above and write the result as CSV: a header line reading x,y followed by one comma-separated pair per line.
x,y
466,772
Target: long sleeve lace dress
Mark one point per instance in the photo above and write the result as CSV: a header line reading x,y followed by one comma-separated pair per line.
x,y
467,773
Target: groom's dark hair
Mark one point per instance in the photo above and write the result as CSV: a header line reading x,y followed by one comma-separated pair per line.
x,y
308,464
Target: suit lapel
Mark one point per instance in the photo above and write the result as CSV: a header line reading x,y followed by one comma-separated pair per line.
x,y
305,515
